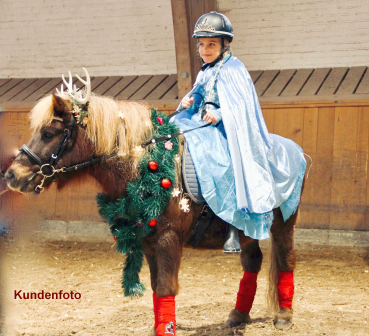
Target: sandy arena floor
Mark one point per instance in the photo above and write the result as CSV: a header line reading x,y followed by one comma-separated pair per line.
x,y
331,295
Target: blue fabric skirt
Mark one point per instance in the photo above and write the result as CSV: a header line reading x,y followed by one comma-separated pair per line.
x,y
211,156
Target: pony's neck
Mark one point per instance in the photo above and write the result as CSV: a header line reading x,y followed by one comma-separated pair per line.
x,y
113,176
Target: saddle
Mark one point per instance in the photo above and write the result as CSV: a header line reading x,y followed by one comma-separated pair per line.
x,y
192,187
191,182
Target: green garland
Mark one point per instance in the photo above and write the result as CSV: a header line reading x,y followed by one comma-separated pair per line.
x,y
144,201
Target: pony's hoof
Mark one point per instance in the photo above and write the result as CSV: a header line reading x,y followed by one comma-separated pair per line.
x,y
152,332
282,324
283,319
236,318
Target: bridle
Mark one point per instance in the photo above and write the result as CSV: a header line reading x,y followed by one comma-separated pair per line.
x,y
47,168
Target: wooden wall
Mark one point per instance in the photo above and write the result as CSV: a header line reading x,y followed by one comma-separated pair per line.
x,y
336,194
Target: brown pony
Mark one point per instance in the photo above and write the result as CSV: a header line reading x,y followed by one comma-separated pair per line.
x,y
121,126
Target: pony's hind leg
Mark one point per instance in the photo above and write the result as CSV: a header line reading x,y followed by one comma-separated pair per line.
x,y
251,259
283,262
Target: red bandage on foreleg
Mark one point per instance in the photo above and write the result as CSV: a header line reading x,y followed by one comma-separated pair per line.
x,y
285,289
156,311
246,293
166,316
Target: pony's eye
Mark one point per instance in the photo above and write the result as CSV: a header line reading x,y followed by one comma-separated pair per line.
x,y
48,135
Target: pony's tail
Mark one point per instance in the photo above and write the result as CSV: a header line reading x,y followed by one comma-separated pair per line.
x,y
272,295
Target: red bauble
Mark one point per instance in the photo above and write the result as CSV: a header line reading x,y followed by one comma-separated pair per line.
x,y
153,222
115,238
153,165
165,183
160,120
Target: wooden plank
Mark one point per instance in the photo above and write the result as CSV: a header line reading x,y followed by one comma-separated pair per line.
x,y
315,81
120,86
269,119
4,81
333,81
61,204
366,225
361,170
289,123
297,82
87,208
163,88
351,80
131,89
30,89
309,145
73,200
106,85
323,167
40,92
9,85
182,45
172,93
149,86
279,83
364,85
265,81
94,83
343,173
255,75
48,89
17,89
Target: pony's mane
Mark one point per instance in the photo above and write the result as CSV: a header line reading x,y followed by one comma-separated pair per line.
x,y
112,125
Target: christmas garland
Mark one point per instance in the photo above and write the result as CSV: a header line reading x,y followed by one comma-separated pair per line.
x,y
135,215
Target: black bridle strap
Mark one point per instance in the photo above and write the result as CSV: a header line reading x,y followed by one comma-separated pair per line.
x,y
31,155
59,150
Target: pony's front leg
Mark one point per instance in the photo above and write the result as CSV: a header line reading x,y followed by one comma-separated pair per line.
x,y
283,262
151,260
168,253
251,259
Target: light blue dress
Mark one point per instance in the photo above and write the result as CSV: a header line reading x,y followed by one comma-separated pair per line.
x,y
244,172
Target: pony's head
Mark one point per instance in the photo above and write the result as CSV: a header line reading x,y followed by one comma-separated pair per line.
x,y
75,130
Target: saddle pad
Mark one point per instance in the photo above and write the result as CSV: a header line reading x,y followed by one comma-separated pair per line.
x,y
191,183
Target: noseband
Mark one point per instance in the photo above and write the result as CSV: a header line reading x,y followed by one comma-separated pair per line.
x,y
47,169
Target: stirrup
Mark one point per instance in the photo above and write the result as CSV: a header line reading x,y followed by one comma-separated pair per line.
x,y
232,243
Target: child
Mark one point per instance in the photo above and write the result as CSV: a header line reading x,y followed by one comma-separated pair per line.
x,y
244,172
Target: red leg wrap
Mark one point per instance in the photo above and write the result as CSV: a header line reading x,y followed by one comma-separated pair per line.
x,y
285,289
166,316
156,311
246,293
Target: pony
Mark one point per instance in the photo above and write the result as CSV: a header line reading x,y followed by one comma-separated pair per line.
x,y
107,126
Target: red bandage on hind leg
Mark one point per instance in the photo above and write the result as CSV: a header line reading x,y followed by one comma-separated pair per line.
x,y
156,311
285,289
246,293
166,316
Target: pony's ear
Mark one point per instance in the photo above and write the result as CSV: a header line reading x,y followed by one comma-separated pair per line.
x,y
60,105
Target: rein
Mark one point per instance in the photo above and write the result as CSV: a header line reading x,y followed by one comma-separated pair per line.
x,y
174,135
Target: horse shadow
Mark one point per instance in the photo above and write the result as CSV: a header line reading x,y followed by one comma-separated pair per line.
x,y
220,329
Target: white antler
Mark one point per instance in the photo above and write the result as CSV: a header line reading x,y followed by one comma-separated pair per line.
x,y
74,92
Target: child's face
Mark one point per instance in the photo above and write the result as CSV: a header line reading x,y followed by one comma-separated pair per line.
x,y
210,48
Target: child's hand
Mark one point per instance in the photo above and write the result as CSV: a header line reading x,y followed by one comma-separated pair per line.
x,y
187,102
209,117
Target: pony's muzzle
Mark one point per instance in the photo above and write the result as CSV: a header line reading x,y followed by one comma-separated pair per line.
x,y
10,176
